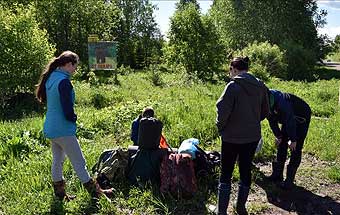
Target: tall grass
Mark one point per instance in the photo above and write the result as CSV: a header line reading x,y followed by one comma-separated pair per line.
x,y
105,113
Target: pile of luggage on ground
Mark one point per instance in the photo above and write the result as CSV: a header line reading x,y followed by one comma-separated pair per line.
x,y
174,171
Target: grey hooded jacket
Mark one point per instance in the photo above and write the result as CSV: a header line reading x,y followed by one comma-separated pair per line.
x,y
240,109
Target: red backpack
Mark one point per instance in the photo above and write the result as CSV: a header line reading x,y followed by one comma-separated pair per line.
x,y
178,176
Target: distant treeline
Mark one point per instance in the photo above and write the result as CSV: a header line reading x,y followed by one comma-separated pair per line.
x,y
279,36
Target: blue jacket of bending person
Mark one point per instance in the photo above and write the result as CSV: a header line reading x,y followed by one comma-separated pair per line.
x,y
288,110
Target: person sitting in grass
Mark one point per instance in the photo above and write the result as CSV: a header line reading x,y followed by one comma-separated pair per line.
x,y
294,115
146,133
147,112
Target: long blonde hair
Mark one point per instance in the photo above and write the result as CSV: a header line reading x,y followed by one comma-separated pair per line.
x,y
61,60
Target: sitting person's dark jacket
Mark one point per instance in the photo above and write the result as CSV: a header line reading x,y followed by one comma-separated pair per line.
x,y
147,112
149,134
145,163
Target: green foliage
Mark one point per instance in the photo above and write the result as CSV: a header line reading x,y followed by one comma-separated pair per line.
x,y
130,23
334,173
155,75
19,141
99,101
300,61
187,109
260,71
243,22
335,54
335,57
19,106
266,60
24,51
325,73
240,23
194,43
324,106
336,44
325,47
183,3
69,23
139,38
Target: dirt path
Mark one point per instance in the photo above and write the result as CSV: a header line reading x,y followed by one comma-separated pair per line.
x,y
333,65
313,195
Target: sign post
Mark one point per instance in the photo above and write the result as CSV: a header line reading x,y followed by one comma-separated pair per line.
x,y
102,54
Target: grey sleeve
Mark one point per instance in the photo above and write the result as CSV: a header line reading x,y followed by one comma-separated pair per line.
x,y
225,105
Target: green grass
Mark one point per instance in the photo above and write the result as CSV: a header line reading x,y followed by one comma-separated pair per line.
x,y
105,112
334,173
335,56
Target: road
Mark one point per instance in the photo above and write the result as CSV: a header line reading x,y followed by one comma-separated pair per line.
x,y
333,65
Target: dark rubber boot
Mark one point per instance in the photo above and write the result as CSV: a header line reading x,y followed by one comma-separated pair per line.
x,y
223,198
243,192
289,182
277,174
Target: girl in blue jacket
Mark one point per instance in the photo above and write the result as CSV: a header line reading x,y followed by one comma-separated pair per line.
x,y
55,89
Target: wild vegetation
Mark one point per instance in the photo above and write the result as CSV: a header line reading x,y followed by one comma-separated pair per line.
x,y
105,112
335,53
181,78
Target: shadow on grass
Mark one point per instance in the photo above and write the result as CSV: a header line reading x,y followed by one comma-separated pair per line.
x,y
298,199
19,106
57,207
163,203
327,73
90,207
207,186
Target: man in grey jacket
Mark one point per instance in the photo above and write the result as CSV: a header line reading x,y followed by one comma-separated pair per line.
x,y
242,106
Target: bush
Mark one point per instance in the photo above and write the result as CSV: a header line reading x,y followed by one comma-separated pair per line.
x,y
155,75
260,71
266,60
300,61
335,56
24,51
99,100
194,44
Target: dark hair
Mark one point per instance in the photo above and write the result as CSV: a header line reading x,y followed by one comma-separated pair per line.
x,y
61,60
148,112
240,63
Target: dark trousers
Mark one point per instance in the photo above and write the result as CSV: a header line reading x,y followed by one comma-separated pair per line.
x,y
245,153
295,159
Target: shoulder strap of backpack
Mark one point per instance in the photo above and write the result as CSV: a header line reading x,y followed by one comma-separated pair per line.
x,y
201,150
95,168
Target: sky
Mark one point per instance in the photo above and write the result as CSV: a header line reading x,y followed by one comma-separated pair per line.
x,y
166,8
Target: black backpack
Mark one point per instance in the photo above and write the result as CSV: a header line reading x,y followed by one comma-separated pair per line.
x,y
205,163
149,133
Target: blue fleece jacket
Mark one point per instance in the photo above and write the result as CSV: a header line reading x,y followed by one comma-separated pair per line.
x,y
282,113
60,118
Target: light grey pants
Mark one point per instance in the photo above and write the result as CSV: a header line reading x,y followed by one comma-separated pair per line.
x,y
69,146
